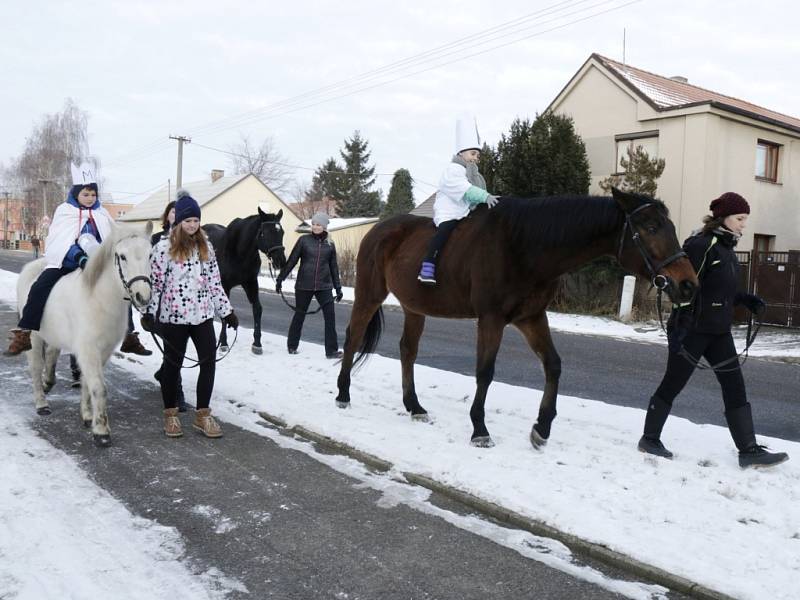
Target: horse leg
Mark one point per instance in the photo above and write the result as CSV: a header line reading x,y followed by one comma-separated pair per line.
x,y
251,289
409,344
92,379
490,334
537,333
86,405
360,318
51,355
223,332
35,366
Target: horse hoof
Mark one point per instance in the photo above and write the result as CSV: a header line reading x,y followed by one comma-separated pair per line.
x,y
537,440
257,349
43,411
102,441
223,348
341,404
482,441
87,423
421,417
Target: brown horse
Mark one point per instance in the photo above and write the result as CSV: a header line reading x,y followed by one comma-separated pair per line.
x,y
501,266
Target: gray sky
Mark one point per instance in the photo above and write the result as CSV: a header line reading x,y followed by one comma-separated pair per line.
x,y
147,69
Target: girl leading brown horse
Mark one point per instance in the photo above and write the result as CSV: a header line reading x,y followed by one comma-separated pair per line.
x,y
502,267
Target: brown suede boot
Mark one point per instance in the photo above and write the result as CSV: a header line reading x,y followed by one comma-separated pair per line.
x,y
20,342
206,424
172,425
132,345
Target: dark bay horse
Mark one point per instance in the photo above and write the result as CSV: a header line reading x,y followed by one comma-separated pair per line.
x,y
501,266
237,248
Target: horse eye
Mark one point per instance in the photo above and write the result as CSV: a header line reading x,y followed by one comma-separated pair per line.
x,y
652,230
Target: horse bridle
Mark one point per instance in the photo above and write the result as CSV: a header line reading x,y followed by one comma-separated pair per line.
x,y
127,283
659,280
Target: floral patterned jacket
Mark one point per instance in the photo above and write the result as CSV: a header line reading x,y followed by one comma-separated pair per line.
x,y
188,292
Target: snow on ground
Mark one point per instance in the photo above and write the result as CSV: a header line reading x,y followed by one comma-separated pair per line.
x,y
698,516
772,343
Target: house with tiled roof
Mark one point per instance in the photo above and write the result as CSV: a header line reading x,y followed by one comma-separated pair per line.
x,y
711,143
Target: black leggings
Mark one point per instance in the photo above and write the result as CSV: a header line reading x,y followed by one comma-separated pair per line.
x,y
175,340
439,239
302,299
715,348
37,297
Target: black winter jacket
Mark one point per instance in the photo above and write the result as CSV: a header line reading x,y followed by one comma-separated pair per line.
x,y
318,267
714,259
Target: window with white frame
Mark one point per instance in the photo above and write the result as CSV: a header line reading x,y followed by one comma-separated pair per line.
x,y
647,140
767,160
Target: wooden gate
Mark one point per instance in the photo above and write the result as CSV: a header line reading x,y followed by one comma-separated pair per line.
x,y
775,276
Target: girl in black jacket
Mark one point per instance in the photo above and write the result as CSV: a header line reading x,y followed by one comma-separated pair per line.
x,y
703,328
317,277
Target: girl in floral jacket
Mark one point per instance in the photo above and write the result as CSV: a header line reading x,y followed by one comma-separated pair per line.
x,y
187,292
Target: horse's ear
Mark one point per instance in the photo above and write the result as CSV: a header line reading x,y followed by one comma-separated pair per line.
x,y
627,202
280,214
261,213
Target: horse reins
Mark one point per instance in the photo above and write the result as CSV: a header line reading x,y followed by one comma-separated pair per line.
x,y
289,304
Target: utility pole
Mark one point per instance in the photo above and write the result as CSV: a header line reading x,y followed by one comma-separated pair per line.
x,y
181,140
5,222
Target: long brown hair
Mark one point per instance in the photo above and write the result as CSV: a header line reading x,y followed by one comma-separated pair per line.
x,y
181,244
710,223
165,224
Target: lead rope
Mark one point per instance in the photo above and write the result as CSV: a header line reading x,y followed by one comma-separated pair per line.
x,y
289,304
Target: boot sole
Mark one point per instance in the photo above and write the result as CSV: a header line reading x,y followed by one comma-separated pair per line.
x,y
173,435
643,451
208,435
769,466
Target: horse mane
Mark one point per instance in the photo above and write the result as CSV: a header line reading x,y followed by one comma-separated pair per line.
x,y
97,263
560,221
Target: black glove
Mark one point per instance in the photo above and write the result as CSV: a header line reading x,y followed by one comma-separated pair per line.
x,y
231,320
755,304
339,294
82,258
278,284
148,322
677,330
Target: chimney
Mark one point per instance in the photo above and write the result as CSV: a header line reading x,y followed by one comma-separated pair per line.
x,y
679,79
217,174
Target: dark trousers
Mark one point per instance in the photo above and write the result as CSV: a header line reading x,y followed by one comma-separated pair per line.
x,y
175,339
37,297
439,239
130,319
715,348
302,300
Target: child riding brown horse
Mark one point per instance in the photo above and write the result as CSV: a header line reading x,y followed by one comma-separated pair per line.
x,y
502,266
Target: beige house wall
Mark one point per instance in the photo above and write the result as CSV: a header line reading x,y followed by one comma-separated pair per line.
x,y
707,151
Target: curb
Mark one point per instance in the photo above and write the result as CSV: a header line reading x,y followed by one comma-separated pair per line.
x,y
504,515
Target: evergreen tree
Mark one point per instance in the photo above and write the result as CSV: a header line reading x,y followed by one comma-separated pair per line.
x,y
487,165
328,182
358,199
543,158
641,173
401,198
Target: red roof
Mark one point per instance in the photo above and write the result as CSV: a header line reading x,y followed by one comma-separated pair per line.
x,y
663,93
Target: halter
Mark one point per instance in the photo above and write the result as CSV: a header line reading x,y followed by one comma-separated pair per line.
x,y
272,249
658,280
126,284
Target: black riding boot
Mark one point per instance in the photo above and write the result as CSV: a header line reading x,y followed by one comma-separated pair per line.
x,y
650,442
751,454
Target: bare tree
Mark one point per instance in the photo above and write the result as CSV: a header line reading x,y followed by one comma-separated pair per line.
x,y
264,161
42,172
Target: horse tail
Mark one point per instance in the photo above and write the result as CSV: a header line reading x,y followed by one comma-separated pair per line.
x,y
371,337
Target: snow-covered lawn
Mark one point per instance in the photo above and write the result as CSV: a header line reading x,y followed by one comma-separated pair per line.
x,y
698,516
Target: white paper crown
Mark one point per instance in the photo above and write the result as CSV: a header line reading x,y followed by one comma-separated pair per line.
x,y
84,174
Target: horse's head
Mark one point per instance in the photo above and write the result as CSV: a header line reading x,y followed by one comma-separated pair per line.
x,y
131,255
649,247
270,238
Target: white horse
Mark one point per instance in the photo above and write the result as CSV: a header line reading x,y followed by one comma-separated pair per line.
x,y
86,315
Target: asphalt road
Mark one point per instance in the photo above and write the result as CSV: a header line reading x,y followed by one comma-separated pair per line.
x,y
618,372
275,519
